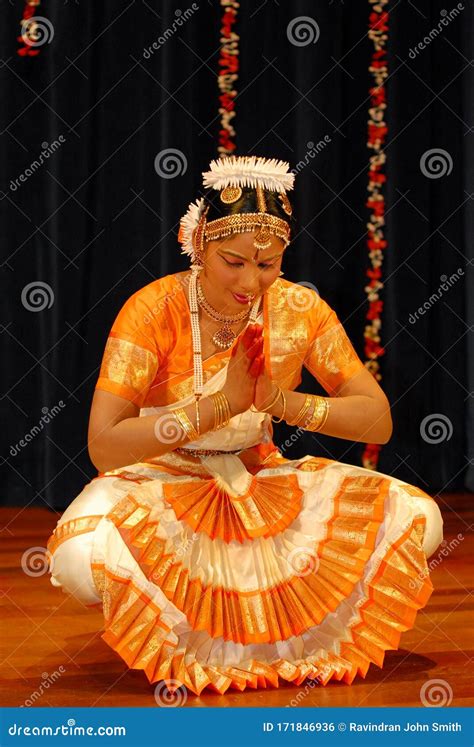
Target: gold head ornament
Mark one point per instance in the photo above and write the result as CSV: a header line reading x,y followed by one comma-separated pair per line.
x,y
229,176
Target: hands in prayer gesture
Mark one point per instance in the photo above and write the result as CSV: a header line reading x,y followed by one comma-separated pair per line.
x,y
248,382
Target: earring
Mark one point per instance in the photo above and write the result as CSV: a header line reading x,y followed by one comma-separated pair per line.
x,y
199,240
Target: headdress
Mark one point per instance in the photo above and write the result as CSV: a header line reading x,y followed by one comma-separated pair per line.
x,y
228,176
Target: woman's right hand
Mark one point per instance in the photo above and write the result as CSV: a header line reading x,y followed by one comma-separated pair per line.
x,y
243,368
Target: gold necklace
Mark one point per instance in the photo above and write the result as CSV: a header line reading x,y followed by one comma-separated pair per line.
x,y
225,336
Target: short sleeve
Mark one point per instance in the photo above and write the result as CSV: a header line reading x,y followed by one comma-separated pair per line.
x,y
331,357
131,358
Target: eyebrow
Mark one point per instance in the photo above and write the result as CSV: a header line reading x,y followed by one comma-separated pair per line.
x,y
240,256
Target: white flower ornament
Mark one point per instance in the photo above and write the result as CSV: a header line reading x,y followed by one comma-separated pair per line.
x,y
187,225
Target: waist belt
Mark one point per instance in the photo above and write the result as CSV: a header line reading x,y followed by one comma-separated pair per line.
x,y
204,452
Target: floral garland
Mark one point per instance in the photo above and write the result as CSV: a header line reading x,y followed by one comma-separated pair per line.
x,y
28,30
229,65
377,131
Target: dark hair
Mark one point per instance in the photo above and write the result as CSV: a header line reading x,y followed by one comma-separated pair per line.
x,y
247,203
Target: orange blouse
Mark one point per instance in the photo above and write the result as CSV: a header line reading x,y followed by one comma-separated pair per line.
x,y
148,354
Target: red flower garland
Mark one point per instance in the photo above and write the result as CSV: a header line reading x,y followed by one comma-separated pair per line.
x,y
377,131
27,50
229,65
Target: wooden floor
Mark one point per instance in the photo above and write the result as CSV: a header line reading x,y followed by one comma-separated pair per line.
x,y
52,654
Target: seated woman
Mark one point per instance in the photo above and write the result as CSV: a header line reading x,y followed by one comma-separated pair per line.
x,y
218,562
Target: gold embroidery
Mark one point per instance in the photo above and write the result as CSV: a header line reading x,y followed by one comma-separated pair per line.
x,y
286,333
179,389
268,508
127,368
282,609
145,642
72,528
332,358
416,492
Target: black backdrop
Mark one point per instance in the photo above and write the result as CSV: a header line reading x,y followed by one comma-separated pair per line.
x,y
96,221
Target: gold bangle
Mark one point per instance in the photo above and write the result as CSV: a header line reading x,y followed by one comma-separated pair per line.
x,y
309,415
320,415
198,419
273,402
225,409
221,410
185,423
217,411
326,414
284,408
300,418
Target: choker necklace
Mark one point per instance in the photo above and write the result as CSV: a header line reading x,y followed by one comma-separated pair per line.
x,y
225,336
196,332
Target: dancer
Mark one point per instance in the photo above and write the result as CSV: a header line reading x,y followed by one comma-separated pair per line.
x,y
217,561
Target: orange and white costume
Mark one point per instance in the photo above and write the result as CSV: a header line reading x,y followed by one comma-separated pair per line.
x,y
235,570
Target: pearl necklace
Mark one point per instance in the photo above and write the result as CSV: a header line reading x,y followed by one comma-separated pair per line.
x,y
196,332
225,336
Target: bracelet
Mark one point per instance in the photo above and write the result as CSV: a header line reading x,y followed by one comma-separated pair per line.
x,y
310,413
274,400
185,423
284,408
301,416
198,419
221,410
320,415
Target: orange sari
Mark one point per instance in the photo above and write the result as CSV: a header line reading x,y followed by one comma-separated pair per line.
x,y
236,570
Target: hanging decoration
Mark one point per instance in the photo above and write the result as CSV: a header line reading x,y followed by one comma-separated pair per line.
x,y
376,243
28,35
228,74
